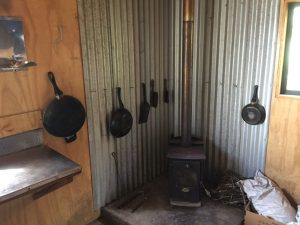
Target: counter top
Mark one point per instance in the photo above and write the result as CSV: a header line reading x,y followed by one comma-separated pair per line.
x,y
32,169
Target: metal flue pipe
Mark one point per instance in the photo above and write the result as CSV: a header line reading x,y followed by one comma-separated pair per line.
x,y
187,65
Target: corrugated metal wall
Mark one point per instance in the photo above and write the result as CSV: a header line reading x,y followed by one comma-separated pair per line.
x,y
124,43
234,49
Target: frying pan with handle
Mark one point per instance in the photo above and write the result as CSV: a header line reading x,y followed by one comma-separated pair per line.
x,y
65,115
121,120
254,113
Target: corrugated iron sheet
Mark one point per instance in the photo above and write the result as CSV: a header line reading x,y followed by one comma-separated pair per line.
x,y
128,42
234,49
124,43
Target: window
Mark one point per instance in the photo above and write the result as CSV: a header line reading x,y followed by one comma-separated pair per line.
x,y
290,84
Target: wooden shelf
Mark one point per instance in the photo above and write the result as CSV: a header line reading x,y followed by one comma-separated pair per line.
x,y
37,170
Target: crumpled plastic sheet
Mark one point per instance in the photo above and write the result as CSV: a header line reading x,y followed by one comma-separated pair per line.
x,y
297,218
268,199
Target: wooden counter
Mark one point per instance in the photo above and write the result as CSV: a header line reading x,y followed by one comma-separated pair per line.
x,y
37,170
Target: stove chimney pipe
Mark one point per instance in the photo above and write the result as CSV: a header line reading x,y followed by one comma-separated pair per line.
x,y
187,65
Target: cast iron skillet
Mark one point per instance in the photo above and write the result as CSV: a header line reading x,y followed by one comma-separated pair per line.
x,y
64,116
254,113
121,119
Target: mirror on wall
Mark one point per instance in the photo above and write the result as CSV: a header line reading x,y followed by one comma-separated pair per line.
x,y
12,45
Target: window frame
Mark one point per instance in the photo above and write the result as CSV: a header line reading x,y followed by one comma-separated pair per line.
x,y
288,34
281,44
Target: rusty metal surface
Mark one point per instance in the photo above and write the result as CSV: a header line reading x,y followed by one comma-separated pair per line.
x,y
188,10
30,169
187,70
186,124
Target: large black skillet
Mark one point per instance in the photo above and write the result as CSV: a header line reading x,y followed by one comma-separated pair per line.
x,y
121,119
64,116
254,113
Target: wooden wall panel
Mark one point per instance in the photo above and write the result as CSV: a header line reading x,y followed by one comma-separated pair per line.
x,y
10,125
52,41
284,144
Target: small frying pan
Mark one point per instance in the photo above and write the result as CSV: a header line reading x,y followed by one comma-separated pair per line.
x,y
121,120
254,113
64,116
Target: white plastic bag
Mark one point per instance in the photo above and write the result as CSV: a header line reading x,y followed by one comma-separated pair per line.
x,y
297,218
268,199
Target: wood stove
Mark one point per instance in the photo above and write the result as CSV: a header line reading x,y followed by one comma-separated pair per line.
x,y
186,158
186,173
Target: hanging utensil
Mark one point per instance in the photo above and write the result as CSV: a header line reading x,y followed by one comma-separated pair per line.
x,y
153,95
65,115
166,92
121,120
254,113
144,107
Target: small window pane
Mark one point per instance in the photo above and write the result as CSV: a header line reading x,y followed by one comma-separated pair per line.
x,y
291,66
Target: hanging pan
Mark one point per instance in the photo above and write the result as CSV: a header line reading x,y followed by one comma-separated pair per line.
x,y
153,95
254,113
64,116
144,106
121,120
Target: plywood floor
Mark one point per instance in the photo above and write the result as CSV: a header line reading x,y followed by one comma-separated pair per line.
x,y
156,210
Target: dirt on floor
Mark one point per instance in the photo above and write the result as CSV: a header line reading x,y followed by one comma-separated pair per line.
x,y
150,206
